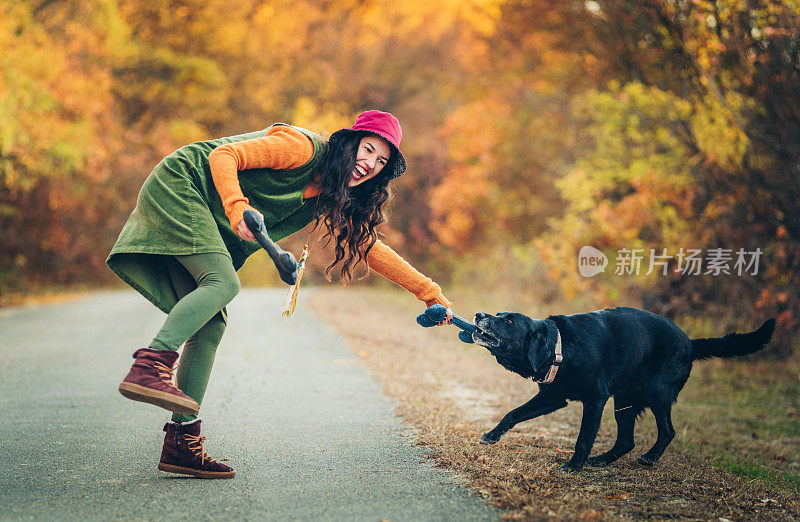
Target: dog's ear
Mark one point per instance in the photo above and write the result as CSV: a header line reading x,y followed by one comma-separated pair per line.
x,y
537,343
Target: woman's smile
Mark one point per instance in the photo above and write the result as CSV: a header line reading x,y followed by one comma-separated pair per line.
x,y
359,172
372,155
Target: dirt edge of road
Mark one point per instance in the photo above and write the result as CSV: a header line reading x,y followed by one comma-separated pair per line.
x,y
453,392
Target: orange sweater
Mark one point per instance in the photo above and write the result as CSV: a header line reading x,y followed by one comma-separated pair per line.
x,y
286,148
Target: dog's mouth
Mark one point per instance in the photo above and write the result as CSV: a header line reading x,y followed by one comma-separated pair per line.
x,y
484,337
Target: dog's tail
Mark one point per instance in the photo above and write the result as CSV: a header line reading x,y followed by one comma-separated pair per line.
x,y
734,344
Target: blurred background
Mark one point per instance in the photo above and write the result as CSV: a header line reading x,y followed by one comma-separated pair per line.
x,y
531,128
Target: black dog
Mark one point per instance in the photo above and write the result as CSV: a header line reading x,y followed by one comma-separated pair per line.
x,y
640,358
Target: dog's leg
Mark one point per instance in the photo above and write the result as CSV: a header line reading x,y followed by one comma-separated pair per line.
x,y
666,432
541,404
626,408
592,415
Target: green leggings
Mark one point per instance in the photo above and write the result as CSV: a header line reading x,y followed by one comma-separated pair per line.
x,y
205,283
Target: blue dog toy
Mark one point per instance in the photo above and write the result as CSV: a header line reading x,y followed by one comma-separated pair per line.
x,y
435,314
284,261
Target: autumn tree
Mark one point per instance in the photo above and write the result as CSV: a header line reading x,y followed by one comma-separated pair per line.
x,y
57,141
697,148
532,127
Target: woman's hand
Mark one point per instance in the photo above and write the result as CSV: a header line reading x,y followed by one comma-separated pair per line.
x,y
243,232
448,318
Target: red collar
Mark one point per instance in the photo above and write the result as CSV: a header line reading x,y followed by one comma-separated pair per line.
x,y
556,361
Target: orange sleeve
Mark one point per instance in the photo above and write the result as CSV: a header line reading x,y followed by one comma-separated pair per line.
x,y
281,147
393,267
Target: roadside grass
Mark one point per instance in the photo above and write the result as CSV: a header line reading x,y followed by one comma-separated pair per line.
x,y
759,472
736,454
49,294
745,416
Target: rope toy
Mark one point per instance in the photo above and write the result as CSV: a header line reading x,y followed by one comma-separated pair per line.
x,y
290,304
435,314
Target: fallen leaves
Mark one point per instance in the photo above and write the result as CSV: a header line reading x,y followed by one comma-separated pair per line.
x,y
590,514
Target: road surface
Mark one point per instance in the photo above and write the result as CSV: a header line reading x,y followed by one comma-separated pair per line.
x,y
308,431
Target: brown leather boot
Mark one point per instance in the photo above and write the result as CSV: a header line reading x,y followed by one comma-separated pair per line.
x,y
150,381
183,453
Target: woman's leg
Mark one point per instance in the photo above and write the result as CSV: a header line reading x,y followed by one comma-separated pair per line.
x,y
215,285
206,282
189,274
183,451
197,358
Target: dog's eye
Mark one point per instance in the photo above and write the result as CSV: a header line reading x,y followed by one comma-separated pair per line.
x,y
509,321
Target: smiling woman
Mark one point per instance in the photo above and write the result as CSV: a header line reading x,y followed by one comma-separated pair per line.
x,y
373,155
186,238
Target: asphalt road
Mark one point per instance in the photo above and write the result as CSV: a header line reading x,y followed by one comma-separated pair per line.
x,y
308,431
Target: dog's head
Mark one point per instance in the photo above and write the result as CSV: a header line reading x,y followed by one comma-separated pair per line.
x,y
519,343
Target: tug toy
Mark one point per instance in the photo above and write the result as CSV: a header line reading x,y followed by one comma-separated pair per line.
x,y
284,261
435,314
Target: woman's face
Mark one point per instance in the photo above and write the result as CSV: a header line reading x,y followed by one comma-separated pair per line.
x,y
373,154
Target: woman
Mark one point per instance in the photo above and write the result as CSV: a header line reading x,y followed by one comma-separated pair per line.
x,y
186,238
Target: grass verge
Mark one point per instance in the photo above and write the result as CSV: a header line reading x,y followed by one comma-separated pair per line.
x,y
43,295
452,392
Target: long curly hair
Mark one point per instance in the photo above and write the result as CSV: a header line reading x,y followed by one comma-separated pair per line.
x,y
350,214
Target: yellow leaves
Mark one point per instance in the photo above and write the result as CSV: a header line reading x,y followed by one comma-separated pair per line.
x,y
49,104
454,204
323,119
186,131
482,15
717,134
632,187
559,254
576,188
428,19
284,26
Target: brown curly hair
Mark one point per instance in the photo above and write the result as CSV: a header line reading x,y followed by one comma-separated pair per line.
x,y
350,214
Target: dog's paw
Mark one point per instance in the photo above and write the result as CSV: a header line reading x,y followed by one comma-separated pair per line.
x,y
644,461
488,438
570,468
598,462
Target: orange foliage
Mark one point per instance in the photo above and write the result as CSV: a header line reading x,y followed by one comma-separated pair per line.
x,y
538,122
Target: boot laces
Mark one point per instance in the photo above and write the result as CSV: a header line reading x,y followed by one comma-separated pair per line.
x,y
164,371
195,444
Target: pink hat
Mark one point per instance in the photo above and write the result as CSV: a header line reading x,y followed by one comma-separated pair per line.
x,y
386,126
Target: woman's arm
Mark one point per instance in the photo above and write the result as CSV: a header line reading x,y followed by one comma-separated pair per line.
x,y
393,267
281,148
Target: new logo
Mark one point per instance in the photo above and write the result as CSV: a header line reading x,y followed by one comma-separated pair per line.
x,y
591,261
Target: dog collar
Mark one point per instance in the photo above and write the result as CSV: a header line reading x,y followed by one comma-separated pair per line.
x,y
556,361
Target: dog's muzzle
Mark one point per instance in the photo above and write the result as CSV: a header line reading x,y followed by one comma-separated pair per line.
x,y
483,336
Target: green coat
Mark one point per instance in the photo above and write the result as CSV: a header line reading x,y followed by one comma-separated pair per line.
x,y
179,212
